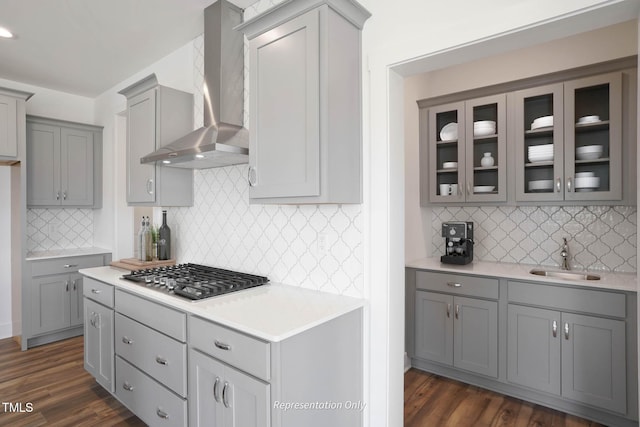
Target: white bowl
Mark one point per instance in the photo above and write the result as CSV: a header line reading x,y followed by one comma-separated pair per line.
x,y
541,184
449,165
535,158
449,132
587,182
484,128
545,148
588,119
542,122
584,174
589,152
483,188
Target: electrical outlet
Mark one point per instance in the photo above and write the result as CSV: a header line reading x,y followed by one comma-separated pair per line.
x,y
54,230
322,245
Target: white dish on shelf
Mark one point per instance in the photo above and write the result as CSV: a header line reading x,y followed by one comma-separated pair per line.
x,y
483,188
587,182
541,185
544,148
484,128
449,165
588,119
589,152
542,122
584,174
449,132
537,158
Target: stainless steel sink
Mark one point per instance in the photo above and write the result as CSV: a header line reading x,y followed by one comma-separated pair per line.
x,y
569,275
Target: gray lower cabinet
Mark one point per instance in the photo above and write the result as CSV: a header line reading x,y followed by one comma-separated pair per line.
x,y
64,164
457,331
305,108
579,357
99,332
571,348
220,395
52,298
156,116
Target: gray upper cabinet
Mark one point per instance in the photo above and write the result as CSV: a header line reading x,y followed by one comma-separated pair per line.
x,y
156,116
584,160
12,115
467,152
305,103
64,164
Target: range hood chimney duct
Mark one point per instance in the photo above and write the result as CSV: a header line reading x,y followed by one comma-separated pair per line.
x,y
222,141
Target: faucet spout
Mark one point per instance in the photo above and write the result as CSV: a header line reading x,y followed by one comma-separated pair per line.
x,y
565,254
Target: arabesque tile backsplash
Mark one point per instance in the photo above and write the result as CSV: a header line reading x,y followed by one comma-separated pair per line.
x,y
49,229
600,237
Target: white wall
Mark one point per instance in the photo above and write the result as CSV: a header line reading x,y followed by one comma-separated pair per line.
x,y
5,252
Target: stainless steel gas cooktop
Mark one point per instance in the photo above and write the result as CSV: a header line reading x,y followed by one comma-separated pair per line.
x,y
194,281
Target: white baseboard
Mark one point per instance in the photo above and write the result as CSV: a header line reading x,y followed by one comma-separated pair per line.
x,y
6,330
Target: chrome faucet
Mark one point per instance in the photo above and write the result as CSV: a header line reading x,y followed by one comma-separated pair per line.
x,y
565,254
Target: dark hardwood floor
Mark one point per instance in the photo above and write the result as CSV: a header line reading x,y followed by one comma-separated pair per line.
x,y
51,378
434,401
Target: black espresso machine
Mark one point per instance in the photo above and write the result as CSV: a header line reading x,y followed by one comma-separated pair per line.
x,y
459,242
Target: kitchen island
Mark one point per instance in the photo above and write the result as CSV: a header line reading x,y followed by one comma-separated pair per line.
x,y
566,343
274,355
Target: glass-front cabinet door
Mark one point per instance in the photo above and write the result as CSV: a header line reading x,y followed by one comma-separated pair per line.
x,y
539,148
593,138
486,149
446,143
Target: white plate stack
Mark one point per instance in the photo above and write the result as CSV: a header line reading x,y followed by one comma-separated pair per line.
x,y
484,128
542,122
541,185
589,152
540,153
586,181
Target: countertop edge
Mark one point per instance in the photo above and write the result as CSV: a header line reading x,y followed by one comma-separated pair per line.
x,y
609,281
337,305
65,253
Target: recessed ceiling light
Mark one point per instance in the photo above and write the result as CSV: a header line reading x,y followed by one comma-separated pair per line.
x,y
5,34
166,162
199,156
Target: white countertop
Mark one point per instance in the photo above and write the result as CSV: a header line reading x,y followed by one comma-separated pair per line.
x,y
272,312
61,253
614,281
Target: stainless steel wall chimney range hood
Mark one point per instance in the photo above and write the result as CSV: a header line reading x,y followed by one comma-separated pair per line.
x,y
222,141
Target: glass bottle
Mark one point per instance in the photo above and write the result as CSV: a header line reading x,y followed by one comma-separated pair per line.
x,y
140,242
148,242
164,239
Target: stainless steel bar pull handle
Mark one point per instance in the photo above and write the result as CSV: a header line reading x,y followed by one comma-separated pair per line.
x,y
96,291
58,195
127,386
67,285
566,331
150,186
64,195
569,185
554,329
222,346
75,286
251,176
454,284
457,311
127,340
162,414
70,265
225,399
216,395
448,310
161,361
558,185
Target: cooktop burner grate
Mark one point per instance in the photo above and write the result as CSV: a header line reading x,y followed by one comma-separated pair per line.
x,y
194,281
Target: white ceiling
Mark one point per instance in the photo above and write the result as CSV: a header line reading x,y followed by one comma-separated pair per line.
x,y
85,47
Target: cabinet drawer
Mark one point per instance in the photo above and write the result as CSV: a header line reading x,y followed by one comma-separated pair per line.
x,y
242,351
164,319
65,265
565,298
98,291
163,358
458,284
150,401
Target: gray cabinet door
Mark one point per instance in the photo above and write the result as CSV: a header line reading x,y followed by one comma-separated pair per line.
x,y
475,345
206,382
593,361
141,140
599,96
43,160
8,126
98,343
285,122
533,348
76,167
76,300
50,309
434,327
246,400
